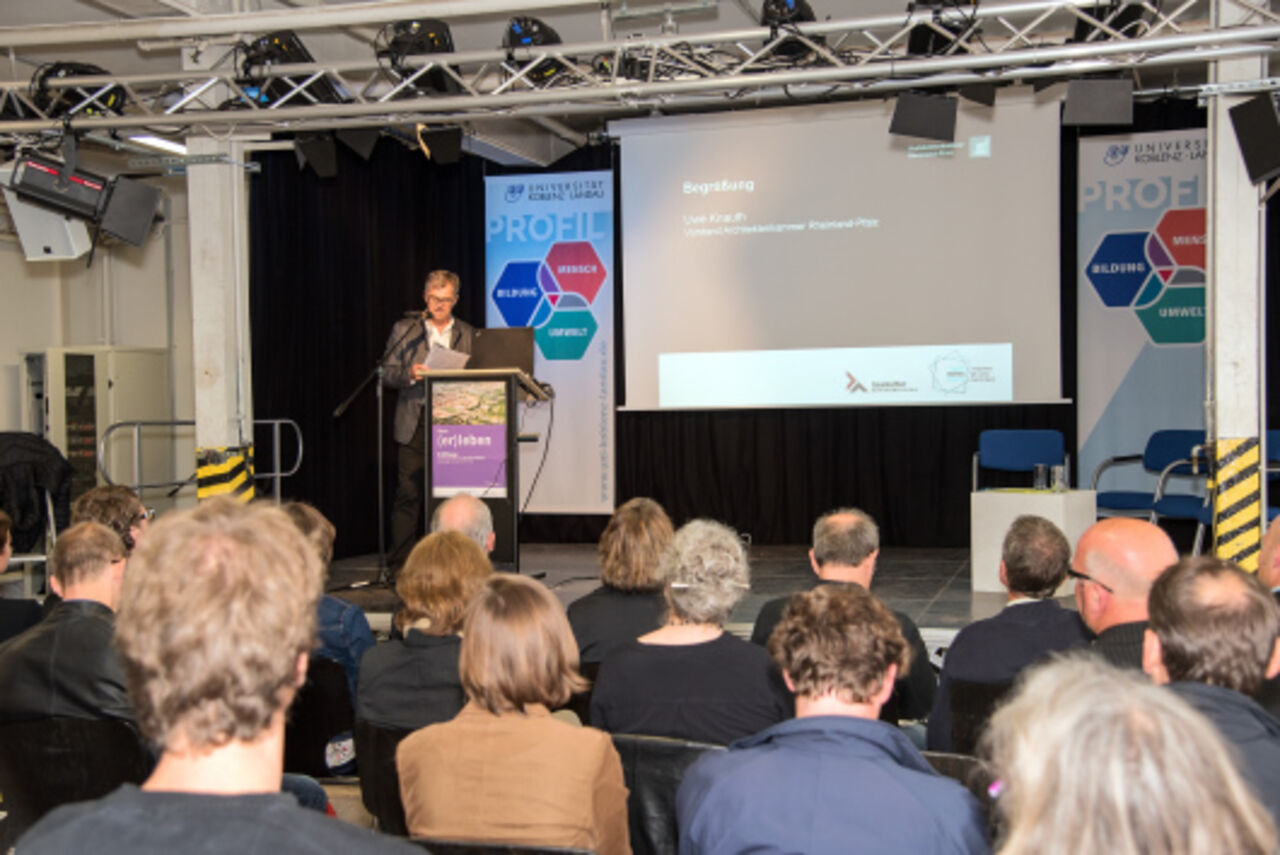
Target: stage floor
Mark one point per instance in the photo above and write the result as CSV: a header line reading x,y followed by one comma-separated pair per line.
x,y
929,585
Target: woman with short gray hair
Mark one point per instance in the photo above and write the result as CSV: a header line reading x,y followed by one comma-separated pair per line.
x,y
689,679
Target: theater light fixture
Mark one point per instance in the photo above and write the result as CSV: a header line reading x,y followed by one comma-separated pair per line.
x,y
523,31
779,13
398,41
281,48
90,99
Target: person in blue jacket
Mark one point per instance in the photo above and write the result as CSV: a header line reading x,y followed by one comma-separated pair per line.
x,y
834,779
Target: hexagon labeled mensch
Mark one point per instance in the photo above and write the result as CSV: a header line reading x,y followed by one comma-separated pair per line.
x,y
566,335
1182,231
576,267
516,293
1119,267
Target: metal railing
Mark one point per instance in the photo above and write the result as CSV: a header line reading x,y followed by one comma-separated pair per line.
x,y
276,474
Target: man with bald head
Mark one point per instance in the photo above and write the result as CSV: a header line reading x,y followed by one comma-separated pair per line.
x,y
1116,561
467,514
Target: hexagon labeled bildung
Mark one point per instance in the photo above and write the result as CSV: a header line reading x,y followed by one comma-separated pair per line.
x,y
576,267
516,293
1119,267
567,334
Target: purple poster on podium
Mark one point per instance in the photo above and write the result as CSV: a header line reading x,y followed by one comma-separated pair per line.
x,y
469,439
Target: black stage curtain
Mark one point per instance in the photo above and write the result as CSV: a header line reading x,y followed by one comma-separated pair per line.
x,y
336,261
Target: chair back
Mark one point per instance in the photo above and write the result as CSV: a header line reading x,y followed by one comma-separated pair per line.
x,y
1167,446
317,735
379,780
1020,450
473,847
49,762
653,767
969,773
971,707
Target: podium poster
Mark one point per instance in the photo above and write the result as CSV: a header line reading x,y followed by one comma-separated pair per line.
x,y
469,439
549,265
1140,295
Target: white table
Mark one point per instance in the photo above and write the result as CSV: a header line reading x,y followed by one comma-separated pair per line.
x,y
991,512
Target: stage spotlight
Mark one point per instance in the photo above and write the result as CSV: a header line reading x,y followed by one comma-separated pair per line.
x,y
56,102
280,48
777,13
402,39
443,145
523,31
932,117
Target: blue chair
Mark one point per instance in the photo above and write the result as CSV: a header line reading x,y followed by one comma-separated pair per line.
x,y
1169,454
1018,451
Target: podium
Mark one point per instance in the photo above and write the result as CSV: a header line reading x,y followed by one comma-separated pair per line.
x,y
470,445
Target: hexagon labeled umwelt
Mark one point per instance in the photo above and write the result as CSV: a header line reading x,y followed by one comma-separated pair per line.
x,y
1176,318
516,293
1182,231
567,334
576,267
1119,267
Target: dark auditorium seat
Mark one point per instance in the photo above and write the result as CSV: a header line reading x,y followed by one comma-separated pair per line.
x,y
580,704
653,767
466,847
48,762
320,713
971,707
379,780
968,771
17,616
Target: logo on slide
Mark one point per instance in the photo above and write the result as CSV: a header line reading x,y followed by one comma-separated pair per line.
x,y
950,373
1159,275
1115,154
853,385
514,192
554,296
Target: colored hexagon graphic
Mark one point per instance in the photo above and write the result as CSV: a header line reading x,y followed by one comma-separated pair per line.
x,y
1119,267
1176,318
516,293
1182,231
576,267
566,335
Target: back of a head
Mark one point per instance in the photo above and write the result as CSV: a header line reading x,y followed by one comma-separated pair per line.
x,y
632,545
1095,759
1127,555
440,577
706,572
6,527
114,505
218,604
844,536
1216,624
83,552
315,527
466,514
838,639
517,647
1036,555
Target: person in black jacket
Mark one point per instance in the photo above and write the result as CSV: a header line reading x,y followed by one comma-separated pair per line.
x,y
1213,638
846,544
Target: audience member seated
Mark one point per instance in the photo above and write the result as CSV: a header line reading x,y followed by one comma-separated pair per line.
x,y
846,544
217,616
343,629
15,615
690,679
1268,694
1033,564
1212,639
1115,563
834,779
413,681
629,603
66,665
119,509
466,514
505,770
1093,758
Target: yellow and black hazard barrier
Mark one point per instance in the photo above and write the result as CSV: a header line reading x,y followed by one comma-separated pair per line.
x,y
225,472
1237,500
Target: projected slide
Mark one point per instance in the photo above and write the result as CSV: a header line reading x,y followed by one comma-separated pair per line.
x,y
805,257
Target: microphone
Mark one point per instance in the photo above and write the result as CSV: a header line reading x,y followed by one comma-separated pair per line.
x,y
420,314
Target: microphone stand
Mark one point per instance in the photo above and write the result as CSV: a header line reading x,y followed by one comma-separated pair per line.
x,y
379,369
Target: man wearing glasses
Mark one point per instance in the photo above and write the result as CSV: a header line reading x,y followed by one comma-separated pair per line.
x,y
408,346
1116,561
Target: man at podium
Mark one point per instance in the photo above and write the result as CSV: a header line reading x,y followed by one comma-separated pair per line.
x,y
408,346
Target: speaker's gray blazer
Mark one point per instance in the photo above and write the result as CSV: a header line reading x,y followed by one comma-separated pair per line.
x,y
409,340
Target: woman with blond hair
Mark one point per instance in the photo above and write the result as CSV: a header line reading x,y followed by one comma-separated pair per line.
x,y
413,681
1089,758
504,770
629,601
